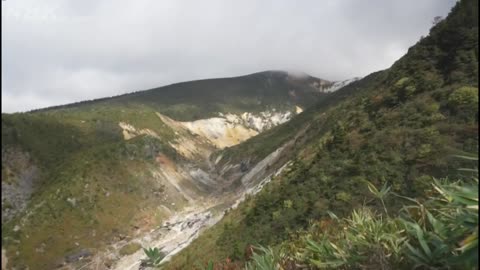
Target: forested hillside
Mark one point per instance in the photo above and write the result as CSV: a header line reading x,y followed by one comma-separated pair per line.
x,y
400,128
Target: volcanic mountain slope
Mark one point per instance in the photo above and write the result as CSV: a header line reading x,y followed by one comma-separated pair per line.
x,y
202,99
155,168
398,127
96,177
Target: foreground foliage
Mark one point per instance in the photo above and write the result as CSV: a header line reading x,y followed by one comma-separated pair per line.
x,y
154,257
438,233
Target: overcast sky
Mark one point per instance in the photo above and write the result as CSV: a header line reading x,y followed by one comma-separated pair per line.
x,y
61,51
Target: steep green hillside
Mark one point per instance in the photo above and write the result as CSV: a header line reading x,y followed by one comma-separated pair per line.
x,y
399,127
91,187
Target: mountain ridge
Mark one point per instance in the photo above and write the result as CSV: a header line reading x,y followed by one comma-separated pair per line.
x,y
266,73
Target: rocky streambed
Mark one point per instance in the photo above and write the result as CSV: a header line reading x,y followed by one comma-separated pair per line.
x,y
170,238
174,235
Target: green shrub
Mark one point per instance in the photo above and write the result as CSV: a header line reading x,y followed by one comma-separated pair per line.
x,y
154,257
264,259
404,88
464,101
343,196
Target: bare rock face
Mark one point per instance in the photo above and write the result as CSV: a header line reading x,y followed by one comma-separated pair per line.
x,y
19,175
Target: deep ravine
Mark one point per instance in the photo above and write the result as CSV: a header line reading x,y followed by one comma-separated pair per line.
x,y
182,227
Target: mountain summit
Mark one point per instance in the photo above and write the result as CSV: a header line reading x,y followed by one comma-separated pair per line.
x,y
199,99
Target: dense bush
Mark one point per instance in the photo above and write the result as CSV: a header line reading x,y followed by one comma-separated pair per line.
x,y
439,233
464,101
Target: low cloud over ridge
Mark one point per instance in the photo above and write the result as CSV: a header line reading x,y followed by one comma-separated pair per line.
x,y
56,51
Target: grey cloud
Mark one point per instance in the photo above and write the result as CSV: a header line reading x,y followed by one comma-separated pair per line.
x,y
57,51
